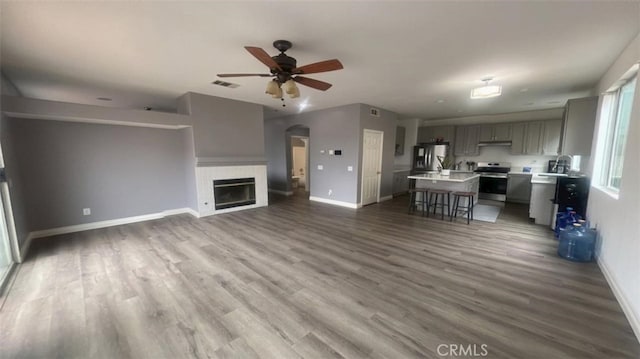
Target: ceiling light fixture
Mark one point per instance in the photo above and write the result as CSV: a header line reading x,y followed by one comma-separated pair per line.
x,y
275,87
487,90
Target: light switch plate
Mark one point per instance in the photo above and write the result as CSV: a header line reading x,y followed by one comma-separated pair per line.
x,y
331,152
320,167
350,168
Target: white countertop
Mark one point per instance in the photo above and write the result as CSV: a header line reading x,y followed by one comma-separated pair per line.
x,y
539,178
401,169
517,173
453,177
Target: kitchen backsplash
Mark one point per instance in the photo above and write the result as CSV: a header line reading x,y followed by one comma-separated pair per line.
x,y
503,154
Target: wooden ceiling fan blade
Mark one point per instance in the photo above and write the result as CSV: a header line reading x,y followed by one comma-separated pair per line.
x,y
316,84
322,66
244,75
263,57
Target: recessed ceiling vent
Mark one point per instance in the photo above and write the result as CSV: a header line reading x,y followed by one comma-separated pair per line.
x,y
374,112
225,84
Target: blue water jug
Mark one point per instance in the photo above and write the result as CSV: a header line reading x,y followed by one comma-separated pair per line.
x,y
570,218
577,244
561,221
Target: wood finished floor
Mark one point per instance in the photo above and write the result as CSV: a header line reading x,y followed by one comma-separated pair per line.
x,y
303,279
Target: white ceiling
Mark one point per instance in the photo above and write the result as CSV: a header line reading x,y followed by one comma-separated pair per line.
x,y
401,56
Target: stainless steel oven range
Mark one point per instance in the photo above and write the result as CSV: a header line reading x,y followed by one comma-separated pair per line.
x,y
493,180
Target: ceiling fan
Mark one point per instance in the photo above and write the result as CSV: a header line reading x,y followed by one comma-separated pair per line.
x,y
285,72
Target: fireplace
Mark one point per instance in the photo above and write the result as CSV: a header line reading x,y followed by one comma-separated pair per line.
x,y
235,192
223,189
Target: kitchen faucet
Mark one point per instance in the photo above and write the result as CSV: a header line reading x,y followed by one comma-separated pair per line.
x,y
555,166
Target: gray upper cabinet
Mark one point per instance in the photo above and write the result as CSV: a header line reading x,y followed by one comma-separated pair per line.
x,y
486,133
533,142
579,123
472,138
467,138
517,138
459,145
495,132
526,138
502,132
551,137
432,133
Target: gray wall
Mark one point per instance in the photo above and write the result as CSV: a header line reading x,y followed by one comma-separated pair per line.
x,y
276,153
336,128
7,87
117,171
14,177
386,123
224,127
189,165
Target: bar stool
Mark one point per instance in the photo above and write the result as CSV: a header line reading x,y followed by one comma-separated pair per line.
x,y
435,205
468,208
414,201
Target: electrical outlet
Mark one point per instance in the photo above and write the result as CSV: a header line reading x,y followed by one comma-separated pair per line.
x,y
330,192
86,211
331,152
350,168
320,167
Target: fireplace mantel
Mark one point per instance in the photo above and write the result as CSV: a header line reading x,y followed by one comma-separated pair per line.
x,y
230,161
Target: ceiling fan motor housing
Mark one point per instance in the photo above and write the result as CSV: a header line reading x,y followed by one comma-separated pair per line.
x,y
287,64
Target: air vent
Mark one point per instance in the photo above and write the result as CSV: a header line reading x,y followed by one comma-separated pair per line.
x,y
374,112
225,84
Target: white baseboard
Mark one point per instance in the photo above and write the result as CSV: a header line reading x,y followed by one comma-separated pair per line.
x,y
101,224
187,210
386,198
631,315
284,193
334,202
24,249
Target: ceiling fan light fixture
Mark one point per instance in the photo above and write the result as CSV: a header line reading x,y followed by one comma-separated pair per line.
x,y
290,87
272,88
295,94
278,93
486,91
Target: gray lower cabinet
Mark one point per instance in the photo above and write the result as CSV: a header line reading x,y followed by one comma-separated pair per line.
x,y
519,188
400,182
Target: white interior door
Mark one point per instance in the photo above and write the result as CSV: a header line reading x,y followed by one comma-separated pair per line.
x,y
371,166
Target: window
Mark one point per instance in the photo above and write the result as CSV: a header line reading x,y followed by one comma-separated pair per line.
x,y
615,118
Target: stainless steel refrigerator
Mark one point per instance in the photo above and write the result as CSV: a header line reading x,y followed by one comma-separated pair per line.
x,y
425,156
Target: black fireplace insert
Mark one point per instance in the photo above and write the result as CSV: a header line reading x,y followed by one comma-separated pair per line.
x,y
234,192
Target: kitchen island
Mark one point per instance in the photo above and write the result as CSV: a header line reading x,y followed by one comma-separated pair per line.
x,y
466,182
